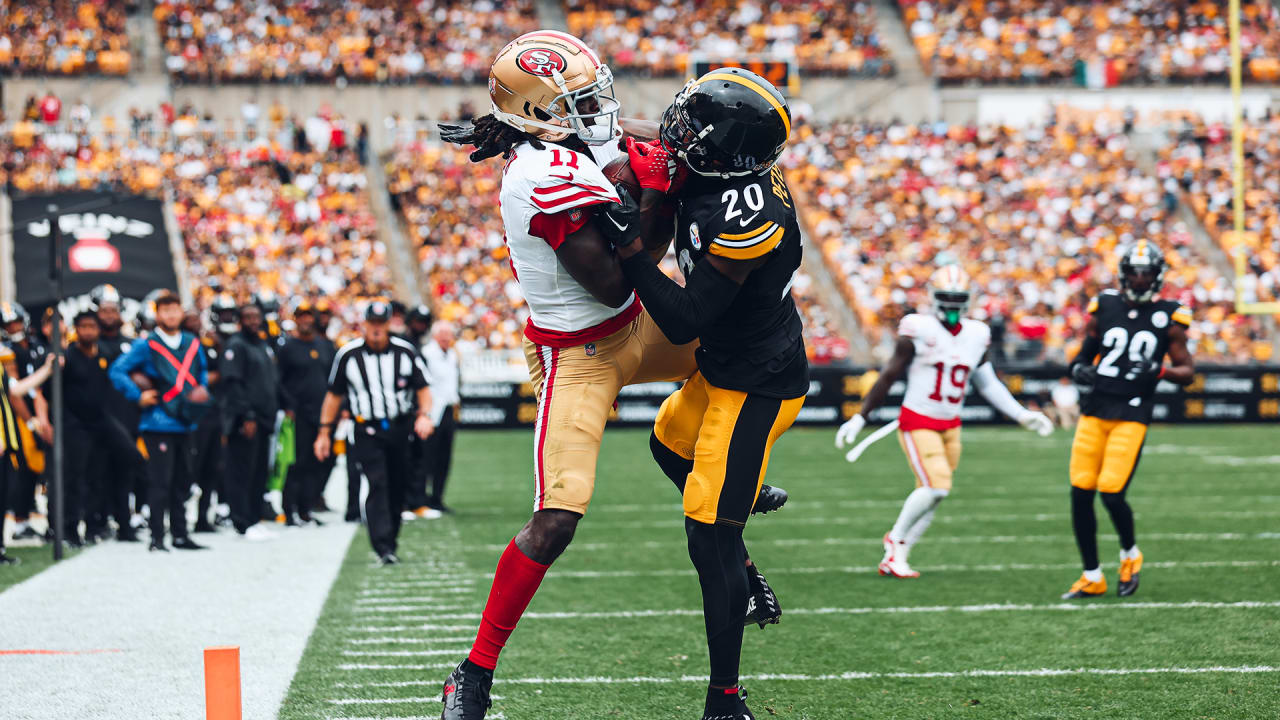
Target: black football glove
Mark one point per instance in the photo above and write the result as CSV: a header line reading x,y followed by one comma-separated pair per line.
x,y
1083,374
1146,370
619,222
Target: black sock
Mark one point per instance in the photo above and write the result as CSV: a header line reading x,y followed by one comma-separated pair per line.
x,y
1086,526
717,554
471,668
674,466
1121,517
721,701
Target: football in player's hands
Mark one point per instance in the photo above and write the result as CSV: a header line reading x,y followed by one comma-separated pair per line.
x,y
1083,374
619,172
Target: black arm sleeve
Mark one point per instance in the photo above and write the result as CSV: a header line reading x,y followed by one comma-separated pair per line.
x,y
680,312
1088,351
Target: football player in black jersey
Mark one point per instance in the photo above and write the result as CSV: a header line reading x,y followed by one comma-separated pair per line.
x,y
738,245
1129,333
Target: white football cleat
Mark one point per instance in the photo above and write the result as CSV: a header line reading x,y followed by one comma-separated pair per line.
x,y
895,560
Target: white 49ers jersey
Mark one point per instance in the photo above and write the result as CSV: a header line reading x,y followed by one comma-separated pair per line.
x,y
559,184
939,375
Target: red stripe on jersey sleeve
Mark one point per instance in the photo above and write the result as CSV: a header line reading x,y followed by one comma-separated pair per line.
x,y
555,227
575,200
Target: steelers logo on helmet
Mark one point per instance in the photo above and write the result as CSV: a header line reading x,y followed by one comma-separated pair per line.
x,y
694,239
542,62
728,123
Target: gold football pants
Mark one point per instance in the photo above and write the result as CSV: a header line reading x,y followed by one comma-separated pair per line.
x,y
728,434
1104,454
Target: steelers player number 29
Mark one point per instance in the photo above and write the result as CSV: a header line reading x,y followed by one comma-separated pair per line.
x,y
752,195
1116,341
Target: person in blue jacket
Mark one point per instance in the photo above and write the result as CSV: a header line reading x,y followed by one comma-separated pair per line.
x,y
172,361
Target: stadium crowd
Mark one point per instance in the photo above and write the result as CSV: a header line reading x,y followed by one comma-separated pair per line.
x,y
64,37
1199,159
170,403
1140,41
657,37
1034,216
399,41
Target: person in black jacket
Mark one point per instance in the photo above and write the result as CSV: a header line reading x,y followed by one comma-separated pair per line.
x,y
112,343
100,452
304,362
250,392
206,443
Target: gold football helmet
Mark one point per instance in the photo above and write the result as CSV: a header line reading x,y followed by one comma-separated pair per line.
x,y
949,290
552,86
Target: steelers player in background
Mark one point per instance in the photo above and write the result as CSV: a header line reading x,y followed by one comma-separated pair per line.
x,y
1129,332
737,241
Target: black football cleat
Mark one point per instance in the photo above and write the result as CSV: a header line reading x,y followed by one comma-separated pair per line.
x,y
7,560
763,607
466,693
730,704
770,498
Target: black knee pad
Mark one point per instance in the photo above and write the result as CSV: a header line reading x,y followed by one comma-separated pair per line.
x,y
720,558
674,466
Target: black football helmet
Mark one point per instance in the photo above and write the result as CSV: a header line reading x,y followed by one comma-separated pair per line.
x,y
269,303
420,313
727,123
224,314
10,313
1142,271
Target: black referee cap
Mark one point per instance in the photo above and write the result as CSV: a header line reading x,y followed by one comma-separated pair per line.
x,y
378,311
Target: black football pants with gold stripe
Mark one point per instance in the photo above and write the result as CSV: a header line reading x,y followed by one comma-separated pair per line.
x,y
721,440
1104,457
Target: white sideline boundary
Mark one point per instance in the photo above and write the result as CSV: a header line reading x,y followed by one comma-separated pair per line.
x,y
943,540
871,569
901,610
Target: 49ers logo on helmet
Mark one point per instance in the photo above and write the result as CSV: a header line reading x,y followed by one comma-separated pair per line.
x,y
541,62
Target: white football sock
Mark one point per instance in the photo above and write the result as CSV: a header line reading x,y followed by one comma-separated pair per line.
x,y
920,501
913,535
1130,554
1094,575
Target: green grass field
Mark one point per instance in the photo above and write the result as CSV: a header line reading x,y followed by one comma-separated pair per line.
x,y
981,634
33,559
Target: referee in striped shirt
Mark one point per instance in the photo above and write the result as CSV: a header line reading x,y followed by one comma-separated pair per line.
x,y
379,376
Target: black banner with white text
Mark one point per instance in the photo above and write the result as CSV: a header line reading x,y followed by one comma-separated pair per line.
x,y
1218,394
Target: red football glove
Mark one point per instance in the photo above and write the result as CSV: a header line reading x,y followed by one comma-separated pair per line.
x,y
653,165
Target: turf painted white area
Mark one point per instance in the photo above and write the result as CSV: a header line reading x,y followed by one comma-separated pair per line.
x,y
153,614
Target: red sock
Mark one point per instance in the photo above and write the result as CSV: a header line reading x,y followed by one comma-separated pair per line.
x,y
514,584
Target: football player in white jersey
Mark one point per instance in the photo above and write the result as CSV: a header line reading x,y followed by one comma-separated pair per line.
x,y
940,354
555,121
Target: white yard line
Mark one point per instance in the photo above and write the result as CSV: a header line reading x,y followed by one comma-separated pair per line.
x,y
990,607
940,540
433,628
871,569
401,653
822,677
348,667
959,518
161,610
408,641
